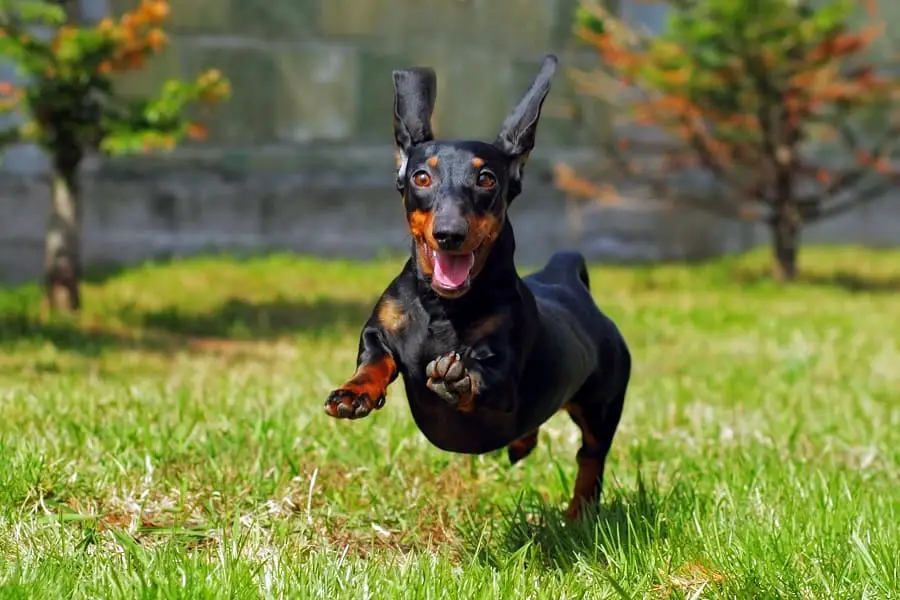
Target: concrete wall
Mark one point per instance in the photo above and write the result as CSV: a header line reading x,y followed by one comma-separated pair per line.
x,y
301,157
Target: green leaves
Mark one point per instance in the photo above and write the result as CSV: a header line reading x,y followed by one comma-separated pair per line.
x,y
159,123
33,12
68,97
589,20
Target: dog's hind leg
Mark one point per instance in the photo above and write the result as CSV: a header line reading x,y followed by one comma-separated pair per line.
x,y
522,447
598,418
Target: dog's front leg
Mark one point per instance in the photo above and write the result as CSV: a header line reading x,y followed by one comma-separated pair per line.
x,y
481,374
376,369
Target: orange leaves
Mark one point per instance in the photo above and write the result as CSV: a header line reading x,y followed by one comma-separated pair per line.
x,y
565,179
820,83
132,60
148,13
156,39
618,55
677,77
106,25
197,131
154,11
740,99
677,105
158,142
748,212
70,67
877,163
209,78
10,95
111,45
883,166
854,43
842,44
136,36
213,86
848,90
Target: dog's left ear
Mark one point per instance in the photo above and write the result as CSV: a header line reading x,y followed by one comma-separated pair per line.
x,y
415,90
517,135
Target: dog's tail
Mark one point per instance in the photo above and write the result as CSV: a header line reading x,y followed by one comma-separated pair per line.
x,y
569,264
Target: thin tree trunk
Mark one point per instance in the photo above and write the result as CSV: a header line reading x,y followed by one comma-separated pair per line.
x,y
62,242
785,243
786,221
62,238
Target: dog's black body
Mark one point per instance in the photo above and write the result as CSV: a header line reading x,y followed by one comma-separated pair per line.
x,y
486,357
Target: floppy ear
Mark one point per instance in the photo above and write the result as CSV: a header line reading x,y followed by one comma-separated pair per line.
x,y
415,90
517,135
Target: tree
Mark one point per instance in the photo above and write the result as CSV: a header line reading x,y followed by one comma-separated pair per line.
x,y
69,106
774,100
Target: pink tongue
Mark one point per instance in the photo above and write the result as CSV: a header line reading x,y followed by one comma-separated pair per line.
x,y
452,270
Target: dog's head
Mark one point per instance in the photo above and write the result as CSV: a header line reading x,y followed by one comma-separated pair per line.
x,y
456,193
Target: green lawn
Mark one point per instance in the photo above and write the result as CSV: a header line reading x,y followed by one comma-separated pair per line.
x,y
172,443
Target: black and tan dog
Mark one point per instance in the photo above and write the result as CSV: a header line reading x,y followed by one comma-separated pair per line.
x,y
486,356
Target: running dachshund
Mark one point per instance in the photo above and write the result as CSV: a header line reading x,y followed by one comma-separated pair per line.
x,y
486,356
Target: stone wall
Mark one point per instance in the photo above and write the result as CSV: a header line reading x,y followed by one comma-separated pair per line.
x,y
301,156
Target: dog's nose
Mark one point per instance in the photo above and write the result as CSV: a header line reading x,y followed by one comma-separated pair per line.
x,y
450,232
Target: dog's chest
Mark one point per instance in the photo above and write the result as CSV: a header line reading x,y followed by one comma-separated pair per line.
x,y
422,343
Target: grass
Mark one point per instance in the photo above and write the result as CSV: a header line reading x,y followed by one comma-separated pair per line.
x,y
171,443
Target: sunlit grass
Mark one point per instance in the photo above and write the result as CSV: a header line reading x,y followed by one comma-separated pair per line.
x,y
171,443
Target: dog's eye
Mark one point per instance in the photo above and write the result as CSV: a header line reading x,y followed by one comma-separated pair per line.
x,y
421,179
486,180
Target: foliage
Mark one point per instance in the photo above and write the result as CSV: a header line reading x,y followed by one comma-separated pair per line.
x,y
69,96
771,98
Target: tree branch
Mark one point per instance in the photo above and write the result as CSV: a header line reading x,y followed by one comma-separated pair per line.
x,y
716,208
862,198
764,92
707,157
661,187
699,143
854,176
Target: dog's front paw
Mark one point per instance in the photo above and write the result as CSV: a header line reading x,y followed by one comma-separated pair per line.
x,y
350,402
449,379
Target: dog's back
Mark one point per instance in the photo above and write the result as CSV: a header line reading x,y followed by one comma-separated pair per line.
x,y
580,355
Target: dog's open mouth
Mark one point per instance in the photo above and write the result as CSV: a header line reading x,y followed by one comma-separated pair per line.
x,y
451,271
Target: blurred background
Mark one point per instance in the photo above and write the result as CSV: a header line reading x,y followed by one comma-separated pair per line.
x,y
301,156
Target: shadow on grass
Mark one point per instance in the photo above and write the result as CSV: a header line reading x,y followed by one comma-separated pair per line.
x,y
71,337
843,280
173,329
99,273
242,320
534,531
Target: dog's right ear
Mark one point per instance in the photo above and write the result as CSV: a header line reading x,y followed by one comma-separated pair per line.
x,y
415,90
